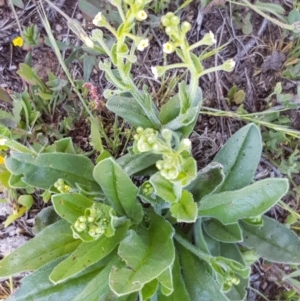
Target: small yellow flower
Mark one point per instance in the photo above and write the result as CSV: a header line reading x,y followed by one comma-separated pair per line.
x,y
1,160
141,15
143,44
18,41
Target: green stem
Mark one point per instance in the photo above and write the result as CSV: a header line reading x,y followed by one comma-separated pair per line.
x,y
201,255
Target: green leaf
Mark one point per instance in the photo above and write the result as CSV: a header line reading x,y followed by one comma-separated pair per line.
x,y
166,281
237,292
168,191
18,3
134,164
198,236
119,189
273,241
4,96
87,254
180,293
26,200
95,136
43,170
240,157
207,181
130,110
199,281
70,205
30,76
230,206
44,218
89,62
224,233
188,113
185,210
54,241
148,290
64,145
38,287
147,253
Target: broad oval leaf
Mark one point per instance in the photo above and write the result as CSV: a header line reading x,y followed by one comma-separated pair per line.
x,y
54,241
147,254
38,287
225,233
87,254
43,170
129,109
119,189
230,206
273,241
240,156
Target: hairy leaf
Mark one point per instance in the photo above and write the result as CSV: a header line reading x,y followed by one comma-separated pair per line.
x,y
119,189
224,233
147,254
54,241
207,181
273,241
240,157
87,254
43,170
230,206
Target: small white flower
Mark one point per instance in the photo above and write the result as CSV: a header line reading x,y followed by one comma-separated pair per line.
x,y
209,39
141,15
3,141
155,72
143,44
97,19
168,48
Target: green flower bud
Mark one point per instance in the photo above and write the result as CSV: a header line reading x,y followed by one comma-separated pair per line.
x,y
139,130
174,21
185,27
97,34
208,39
82,219
82,227
228,65
165,21
90,219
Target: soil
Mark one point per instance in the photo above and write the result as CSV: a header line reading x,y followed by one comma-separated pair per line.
x,y
261,57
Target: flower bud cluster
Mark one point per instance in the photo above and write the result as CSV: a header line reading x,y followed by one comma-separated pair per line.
x,y
61,186
147,189
169,167
145,140
175,32
229,280
173,161
93,222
